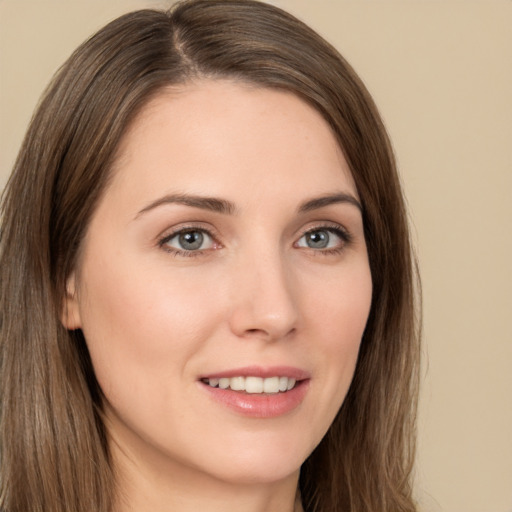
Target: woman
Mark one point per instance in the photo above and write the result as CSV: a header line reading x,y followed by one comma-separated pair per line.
x,y
207,284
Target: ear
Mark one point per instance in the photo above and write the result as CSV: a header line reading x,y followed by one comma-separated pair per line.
x,y
70,316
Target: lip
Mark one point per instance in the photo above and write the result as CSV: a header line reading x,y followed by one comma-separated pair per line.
x,y
260,371
259,405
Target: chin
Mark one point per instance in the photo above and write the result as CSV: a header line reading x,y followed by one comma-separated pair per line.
x,y
263,461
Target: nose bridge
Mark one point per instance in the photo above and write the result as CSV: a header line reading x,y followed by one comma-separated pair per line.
x,y
265,303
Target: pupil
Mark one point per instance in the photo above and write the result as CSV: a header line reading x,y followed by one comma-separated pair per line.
x,y
191,240
318,239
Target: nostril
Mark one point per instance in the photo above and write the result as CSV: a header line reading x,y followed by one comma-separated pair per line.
x,y
270,334
257,333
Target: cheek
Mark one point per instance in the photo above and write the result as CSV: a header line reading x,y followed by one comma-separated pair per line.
x,y
138,324
339,315
341,307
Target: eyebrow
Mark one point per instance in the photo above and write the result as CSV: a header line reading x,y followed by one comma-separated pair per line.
x,y
205,203
223,206
322,202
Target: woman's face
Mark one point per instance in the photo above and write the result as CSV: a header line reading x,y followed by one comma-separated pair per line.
x,y
223,285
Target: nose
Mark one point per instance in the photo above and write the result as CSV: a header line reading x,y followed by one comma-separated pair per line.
x,y
264,299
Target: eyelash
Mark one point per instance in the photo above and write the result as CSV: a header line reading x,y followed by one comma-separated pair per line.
x,y
336,229
182,252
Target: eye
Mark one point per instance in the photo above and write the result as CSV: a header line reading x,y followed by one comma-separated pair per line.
x,y
188,240
323,238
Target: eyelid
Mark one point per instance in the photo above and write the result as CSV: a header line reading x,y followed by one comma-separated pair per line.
x,y
327,226
169,234
333,227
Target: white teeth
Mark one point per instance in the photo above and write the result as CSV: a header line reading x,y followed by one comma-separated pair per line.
x,y
223,383
237,383
271,385
253,384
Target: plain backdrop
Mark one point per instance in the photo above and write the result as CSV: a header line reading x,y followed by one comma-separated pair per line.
x,y
441,74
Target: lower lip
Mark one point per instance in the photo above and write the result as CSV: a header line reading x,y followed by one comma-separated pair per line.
x,y
260,405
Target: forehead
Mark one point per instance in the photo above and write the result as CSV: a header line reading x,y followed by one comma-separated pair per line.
x,y
213,133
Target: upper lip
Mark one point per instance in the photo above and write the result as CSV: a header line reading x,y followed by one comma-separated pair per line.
x,y
260,371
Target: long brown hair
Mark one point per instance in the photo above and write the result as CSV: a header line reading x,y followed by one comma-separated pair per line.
x,y
54,451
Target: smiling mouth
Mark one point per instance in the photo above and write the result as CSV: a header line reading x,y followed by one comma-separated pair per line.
x,y
253,385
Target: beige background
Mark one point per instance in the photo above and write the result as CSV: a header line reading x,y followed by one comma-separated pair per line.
x,y
441,73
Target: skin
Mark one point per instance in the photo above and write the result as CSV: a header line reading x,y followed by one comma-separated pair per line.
x,y
255,293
